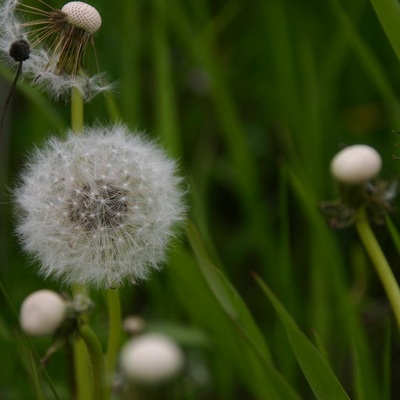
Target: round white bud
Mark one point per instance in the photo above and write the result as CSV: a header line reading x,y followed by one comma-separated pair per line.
x,y
356,164
133,325
151,359
82,15
42,313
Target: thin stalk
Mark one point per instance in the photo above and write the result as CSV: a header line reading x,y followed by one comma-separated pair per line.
x,y
96,358
81,372
81,360
380,262
76,111
36,379
115,330
81,356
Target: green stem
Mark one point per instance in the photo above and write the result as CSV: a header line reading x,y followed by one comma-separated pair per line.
x,y
81,371
76,111
81,357
380,262
96,358
81,360
115,330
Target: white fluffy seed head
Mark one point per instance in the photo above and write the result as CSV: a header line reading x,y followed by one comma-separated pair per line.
x,y
151,359
42,313
356,164
100,207
82,15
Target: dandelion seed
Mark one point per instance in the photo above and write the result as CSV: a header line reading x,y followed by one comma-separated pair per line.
x,y
59,39
104,229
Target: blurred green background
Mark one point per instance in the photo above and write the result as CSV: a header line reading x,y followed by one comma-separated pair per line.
x,y
253,99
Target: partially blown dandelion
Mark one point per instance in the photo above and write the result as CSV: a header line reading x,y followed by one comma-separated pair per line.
x,y
59,38
99,207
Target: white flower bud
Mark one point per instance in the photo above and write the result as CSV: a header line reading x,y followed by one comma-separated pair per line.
x,y
42,313
356,164
151,358
133,325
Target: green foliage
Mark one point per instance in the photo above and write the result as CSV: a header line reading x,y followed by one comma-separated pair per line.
x,y
320,377
253,99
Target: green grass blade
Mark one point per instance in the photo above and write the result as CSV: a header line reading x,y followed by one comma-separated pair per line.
x,y
232,131
394,233
166,115
228,299
35,376
276,386
322,380
388,12
370,61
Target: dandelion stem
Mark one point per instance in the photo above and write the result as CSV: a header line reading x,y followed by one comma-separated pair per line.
x,y
115,330
81,360
81,372
82,377
96,358
380,262
6,104
76,110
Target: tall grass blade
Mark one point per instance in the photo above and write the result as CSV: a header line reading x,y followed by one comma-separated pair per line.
x,y
322,380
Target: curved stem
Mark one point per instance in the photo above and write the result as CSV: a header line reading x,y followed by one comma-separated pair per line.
x,y
380,262
81,372
96,358
115,330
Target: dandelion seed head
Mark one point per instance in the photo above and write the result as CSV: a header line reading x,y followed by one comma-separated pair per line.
x,y
86,219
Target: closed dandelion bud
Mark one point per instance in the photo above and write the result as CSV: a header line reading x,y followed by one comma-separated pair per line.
x,y
356,170
19,50
99,207
356,164
151,359
133,325
42,313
